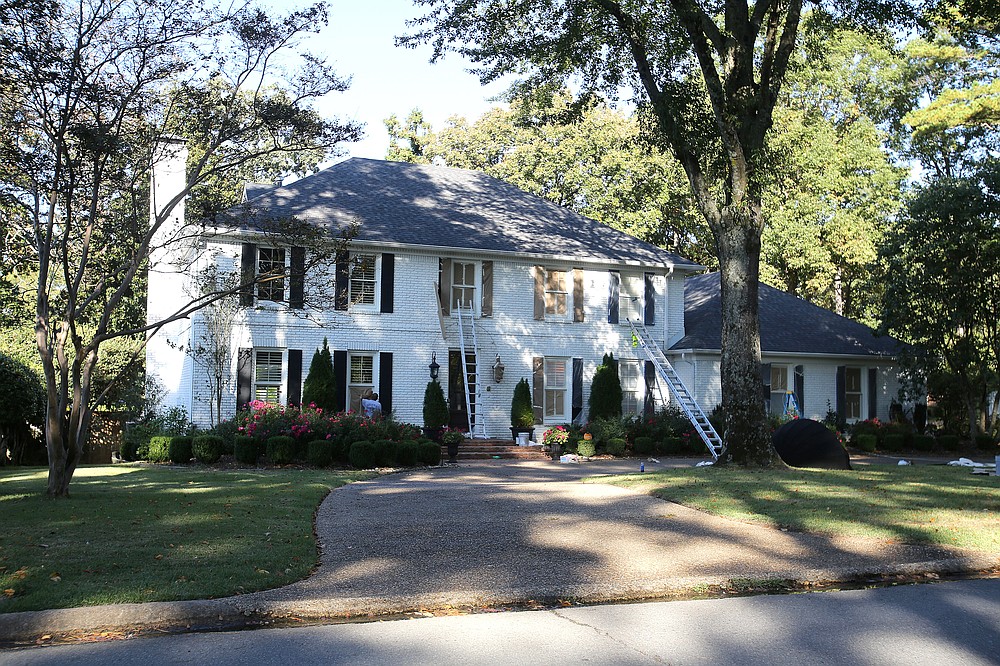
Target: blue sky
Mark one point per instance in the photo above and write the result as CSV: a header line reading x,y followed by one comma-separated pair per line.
x,y
387,79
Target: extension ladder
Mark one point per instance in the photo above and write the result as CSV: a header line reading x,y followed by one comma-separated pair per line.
x,y
470,368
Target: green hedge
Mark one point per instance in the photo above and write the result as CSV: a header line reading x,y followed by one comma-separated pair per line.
x,y
386,452
643,446
208,448
894,441
586,448
616,447
281,449
364,454
923,442
670,445
246,449
867,442
179,450
986,443
159,449
429,453
948,442
319,453
406,454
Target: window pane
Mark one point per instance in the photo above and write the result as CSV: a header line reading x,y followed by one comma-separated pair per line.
x,y
271,394
268,368
555,403
271,262
853,406
853,380
779,378
361,369
362,285
555,374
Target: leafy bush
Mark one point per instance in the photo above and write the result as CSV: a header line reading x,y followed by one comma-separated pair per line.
x,y
670,445
616,447
208,448
893,441
867,442
246,449
902,428
406,454
948,442
435,406
22,405
985,443
172,422
522,414
606,429
586,448
606,390
179,450
320,453
643,446
429,453
923,442
159,449
227,430
364,455
281,449
386,451
871,427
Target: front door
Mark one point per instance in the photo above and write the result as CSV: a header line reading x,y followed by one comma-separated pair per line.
x,y
458,410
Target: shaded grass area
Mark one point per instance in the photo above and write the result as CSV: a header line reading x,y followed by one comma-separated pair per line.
x,y
910,504
130,534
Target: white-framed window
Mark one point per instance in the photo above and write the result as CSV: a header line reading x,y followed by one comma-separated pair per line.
x,y
556,389
630,298
463,284
361,377
362,280
853,394
271,274
779,387
557,296
267,375
632,389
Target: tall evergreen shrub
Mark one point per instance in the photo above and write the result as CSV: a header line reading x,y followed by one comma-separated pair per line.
x,y
320,384
606,390
435,406
522,415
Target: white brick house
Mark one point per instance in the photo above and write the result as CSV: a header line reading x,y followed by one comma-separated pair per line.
x,y
551,291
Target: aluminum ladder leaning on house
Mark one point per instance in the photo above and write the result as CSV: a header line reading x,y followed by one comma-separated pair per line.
x,y
468,342
686,401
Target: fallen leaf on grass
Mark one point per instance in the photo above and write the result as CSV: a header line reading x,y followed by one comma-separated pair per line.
x,y
9,592
55,577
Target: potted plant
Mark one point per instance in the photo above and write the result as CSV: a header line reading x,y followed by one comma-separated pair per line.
x,y
522,414
554,440
452,437
435,411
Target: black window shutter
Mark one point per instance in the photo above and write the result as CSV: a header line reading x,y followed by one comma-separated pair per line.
x,y
444,286
649,300
297,279
842,393
577,389
244,377
578,302
649,374
800,389
872,393
388,284
294,376
385,381
340,293
248,271
340,380
487,305
614,295
538,387
765,380
539,277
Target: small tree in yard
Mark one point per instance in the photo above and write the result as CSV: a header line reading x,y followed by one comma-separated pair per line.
x,y
522,415
321,382
435,406
606,390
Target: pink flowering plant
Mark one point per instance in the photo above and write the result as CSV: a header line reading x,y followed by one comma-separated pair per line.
x,y
452,435
556,435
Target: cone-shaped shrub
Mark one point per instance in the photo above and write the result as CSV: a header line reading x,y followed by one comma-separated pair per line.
x,y
606,390
435,406
522,415
320,384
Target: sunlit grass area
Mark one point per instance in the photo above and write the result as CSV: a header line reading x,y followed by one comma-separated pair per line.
x,y
130,534
914,504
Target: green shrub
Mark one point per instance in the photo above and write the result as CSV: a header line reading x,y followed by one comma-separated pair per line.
x,y
985,443
616,447
893,441
159,449
22,405
386,451
870,427
522,414
643,446
435,407
669,446
208,448
364,454
429,453
320,386
586,448
606,390
281,449
948,442
179,450
406,454
339,449
246,449
606,429
867,442
923,442
319,453
227,430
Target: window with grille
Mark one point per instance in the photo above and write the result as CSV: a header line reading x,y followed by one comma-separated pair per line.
x,y
271,274
631,298
628,373
362,282
779,387
463,284
267,376
556,294
556,388
362,378
852,394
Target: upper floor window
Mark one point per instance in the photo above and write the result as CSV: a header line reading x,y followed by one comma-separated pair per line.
x,y
556,294
271,274
632,297
362,280
463,284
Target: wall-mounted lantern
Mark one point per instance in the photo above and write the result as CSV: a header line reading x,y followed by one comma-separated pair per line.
x,y
498,370
434,367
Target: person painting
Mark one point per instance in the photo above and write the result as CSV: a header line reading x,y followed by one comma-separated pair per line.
x,y
370,406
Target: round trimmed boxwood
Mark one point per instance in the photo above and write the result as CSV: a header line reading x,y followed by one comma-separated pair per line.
x,y
616,447
364,454
893,441
208,448
867,442
386,449
643,446
406,454
159,448
246,449
923,442
319,453
179,450
429,453
586,448
670,445
281,449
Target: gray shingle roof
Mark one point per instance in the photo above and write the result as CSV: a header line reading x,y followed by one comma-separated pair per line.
x,y
787,324
410,204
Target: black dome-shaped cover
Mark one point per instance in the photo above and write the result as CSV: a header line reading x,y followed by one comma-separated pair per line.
x,y
808,443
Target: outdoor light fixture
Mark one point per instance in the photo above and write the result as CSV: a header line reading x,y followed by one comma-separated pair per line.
x,y
434,367
498,370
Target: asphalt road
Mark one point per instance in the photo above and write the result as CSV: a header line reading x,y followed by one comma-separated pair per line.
x,y
940,624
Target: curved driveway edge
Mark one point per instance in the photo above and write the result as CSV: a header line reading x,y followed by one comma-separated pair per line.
x,y
495,534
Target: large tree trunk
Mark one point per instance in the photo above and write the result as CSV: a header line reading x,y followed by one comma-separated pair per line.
x,y
747,439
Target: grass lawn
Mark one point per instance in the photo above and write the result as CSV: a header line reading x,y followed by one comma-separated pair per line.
x,y
131,534
914,504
